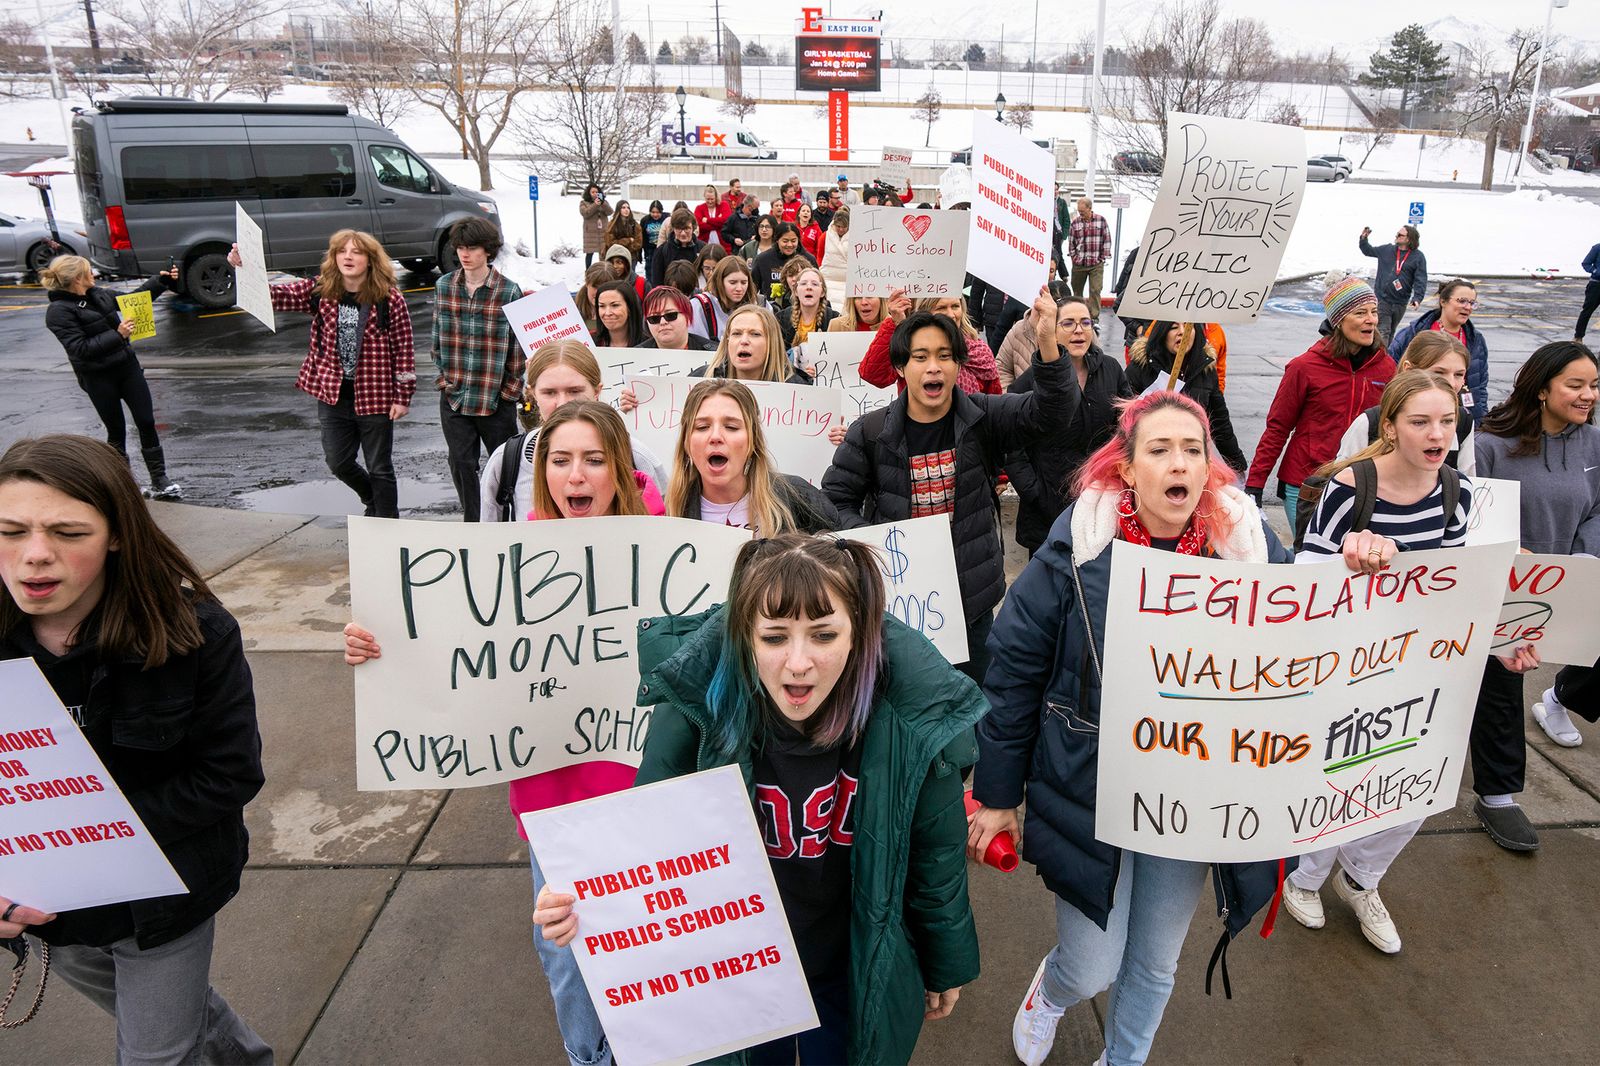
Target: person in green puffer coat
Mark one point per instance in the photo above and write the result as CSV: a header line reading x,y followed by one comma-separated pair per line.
x,y
803,681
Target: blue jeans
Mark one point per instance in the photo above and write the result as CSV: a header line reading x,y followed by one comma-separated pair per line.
x,y
585,1040
1291,504
1135,955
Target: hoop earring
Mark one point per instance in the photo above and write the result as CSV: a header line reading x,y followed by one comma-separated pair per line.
x,y
1128,503
1207,514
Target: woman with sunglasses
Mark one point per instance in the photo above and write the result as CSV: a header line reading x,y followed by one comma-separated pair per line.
x,y
667,313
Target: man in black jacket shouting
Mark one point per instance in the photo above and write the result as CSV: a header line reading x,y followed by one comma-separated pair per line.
x,y
937,450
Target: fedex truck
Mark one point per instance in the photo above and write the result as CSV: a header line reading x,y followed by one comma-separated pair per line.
x,y
712,140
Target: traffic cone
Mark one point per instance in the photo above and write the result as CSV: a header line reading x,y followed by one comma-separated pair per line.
x,y
1002,850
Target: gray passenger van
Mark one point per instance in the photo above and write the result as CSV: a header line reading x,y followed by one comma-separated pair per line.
x,y
158,179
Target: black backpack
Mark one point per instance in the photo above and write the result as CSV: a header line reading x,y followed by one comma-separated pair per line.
x,y
1366,477
510,470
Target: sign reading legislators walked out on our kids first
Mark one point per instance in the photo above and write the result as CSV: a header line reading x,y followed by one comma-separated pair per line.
x,y
682,939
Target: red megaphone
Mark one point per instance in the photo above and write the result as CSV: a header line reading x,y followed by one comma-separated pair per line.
x,y
1002,850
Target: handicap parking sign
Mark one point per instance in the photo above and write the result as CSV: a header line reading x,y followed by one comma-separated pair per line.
x,y
1415,216
533,187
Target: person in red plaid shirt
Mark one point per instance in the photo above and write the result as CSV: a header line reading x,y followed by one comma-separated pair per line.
x,y
1088,246
478,358
361,365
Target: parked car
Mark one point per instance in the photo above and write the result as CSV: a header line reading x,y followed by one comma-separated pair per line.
x,y
26,245
158,179
1340,163
1322,170
1137,163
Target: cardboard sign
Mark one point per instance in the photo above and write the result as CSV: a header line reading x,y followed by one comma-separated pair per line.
x,y
794,418
922,252
68,839
1012,209
894,170
835,362
545,316
919,576
250,288
1496,514
140,309
682,939
1250,712
509,646
1230,193
617,365
1550,603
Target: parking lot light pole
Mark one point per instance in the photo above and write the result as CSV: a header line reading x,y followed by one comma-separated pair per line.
x,y
683,135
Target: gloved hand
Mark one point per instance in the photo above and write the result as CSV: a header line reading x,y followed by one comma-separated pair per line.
x,y
1254,494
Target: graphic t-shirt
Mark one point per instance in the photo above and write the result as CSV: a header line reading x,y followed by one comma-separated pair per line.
x,y
736,514
932,448
349,334
805,806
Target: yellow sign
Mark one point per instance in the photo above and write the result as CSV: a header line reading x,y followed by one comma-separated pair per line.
x,y
139,307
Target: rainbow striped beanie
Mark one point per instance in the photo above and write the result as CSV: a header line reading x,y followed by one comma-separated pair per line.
x,y
1345,295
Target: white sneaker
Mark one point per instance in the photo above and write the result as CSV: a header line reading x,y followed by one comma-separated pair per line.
x,y
1376,925
1552,718
1304,905
1033,1031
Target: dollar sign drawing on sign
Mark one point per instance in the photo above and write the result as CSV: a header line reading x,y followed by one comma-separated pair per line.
x,y
899,562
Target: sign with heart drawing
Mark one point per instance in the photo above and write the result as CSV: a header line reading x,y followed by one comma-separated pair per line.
x,y
922,252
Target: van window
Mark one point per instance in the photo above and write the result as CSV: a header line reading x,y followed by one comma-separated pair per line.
x,y
399,169
86,161
153,174
748,141
304,171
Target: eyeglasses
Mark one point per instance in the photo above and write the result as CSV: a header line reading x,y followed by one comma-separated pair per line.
x,y
1464,303
665,316
1072,325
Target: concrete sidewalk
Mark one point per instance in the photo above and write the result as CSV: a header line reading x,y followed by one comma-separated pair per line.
x,y
394,927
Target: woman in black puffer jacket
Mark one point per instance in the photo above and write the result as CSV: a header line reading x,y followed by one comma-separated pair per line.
x,y
85,319
1152,356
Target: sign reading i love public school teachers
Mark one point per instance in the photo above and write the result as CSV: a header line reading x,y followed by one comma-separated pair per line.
x,y
922,252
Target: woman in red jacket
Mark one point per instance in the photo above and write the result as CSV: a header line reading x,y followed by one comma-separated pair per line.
x,y
1322,392
812,235
711,215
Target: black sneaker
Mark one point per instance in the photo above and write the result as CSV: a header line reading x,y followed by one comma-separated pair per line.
x,y
1507,826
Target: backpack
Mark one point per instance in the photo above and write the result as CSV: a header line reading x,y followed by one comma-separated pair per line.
x,y
510,471
1366,477
709,313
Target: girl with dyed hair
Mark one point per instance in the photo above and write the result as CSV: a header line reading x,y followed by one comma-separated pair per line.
x,y
826,704
1121,916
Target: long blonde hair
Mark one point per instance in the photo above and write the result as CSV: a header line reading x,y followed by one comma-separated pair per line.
x,y
776,367
928,303
1396,395
769,514
380,279
63,272
852,321
614,441
571,353
1426,349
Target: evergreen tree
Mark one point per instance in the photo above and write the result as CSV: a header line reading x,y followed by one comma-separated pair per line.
x,y
1413,64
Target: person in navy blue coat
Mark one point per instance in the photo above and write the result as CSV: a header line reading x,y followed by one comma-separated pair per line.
x,y
1457,299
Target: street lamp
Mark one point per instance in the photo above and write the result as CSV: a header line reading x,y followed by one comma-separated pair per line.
x,y
683,136
999,106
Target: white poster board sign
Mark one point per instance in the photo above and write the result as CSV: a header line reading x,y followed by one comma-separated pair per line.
x,y
545,316
68,839
250,289
895,168
1230,193
1550,603
509,647
1012,213
682,939
922,252
617,365
794,418
920,579
835,361
1250,712
1496,513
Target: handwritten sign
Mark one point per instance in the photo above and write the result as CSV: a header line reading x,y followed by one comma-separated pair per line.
x,y
894,170
1496,513
68,838
835,359
922,252
794,418
138,308
250,288
919,576
1549,603
1348,714
617,365
1229,196
545,316
509,647
682,939
1013,182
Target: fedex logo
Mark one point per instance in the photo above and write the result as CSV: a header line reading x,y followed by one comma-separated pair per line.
x,y
696,135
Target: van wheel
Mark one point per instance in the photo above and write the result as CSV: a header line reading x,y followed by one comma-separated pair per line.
x,y
209,280
447,258
418,266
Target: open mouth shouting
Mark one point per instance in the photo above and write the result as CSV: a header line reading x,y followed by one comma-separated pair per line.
x,y
580,506
1434,455
39,588
1177,495
797,696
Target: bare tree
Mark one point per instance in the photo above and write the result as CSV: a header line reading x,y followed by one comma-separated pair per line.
x,y
692,49
20,56
190,48
739,106
928,106
1385,122
471,61
382,78
1019,115
260,77
593,132
1496,99
1286,114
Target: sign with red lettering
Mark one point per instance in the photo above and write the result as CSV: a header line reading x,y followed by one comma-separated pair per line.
x,y
1250,712
834,53
1012,213
545,316
68,837
682,939
839,126
920,582
1550,604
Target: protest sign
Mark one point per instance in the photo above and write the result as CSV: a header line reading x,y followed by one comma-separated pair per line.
x,y
1496,513
1013,184
545,316
894,169
250,289
794,418
69,839
1549,603
617,365
682,939
922,252
1229,196
920,580
1250,712
509,647
835,362
138,308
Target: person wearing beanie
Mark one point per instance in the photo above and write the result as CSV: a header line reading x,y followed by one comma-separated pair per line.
x,y
1322,391
620,260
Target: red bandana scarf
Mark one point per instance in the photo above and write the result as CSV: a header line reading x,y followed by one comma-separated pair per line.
x,y
1192,542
